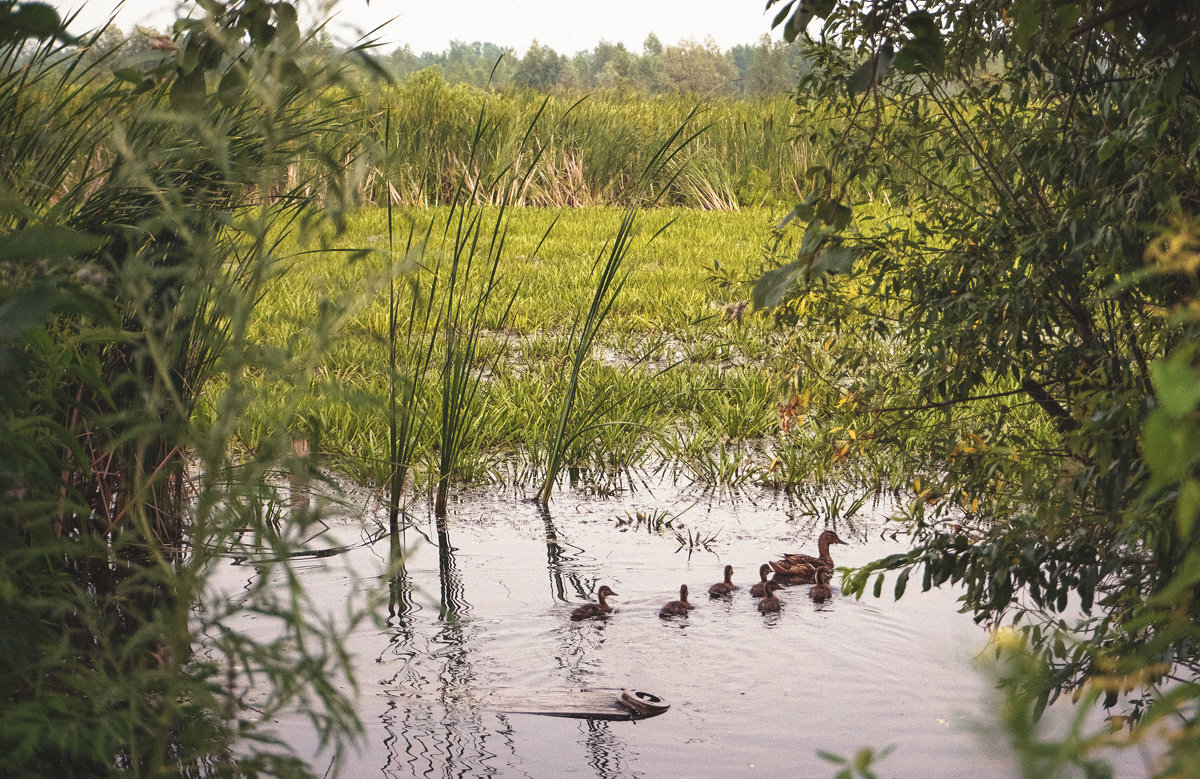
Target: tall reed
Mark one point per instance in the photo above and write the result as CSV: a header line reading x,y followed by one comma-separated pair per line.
x,y
609,279
591,149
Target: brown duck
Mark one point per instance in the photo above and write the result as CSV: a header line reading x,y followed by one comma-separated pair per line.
x,y
823,558
787,574
677,608
589,610
770,604
820,592
725,587
760,589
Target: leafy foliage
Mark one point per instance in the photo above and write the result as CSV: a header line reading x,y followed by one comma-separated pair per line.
x,y
1001,345
141,211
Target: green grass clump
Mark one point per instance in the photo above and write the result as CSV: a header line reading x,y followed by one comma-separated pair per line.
x,y
666,365
569,148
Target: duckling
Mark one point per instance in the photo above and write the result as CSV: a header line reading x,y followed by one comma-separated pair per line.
x,y
725,587
820,592
589,610
760,589
823,558
770,604
677,608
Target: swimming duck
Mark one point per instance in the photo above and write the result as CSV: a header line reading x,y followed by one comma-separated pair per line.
x,y
725,587
677,608
820,592
589,610
794,573
760,589
770,604
823,557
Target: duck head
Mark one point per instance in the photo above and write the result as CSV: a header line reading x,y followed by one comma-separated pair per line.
x,y
829,537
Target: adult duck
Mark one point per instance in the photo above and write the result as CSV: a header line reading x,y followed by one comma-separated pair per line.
x,y
760,589
823,558
589,610
787,573
770,604
723,588
677,608
820,591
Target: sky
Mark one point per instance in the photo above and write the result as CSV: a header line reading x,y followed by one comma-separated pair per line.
x,y
567,26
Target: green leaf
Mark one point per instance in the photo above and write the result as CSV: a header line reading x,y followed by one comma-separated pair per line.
x,y
232,86
834,259
33,20
188,91
1170,446
1187,507
1026,16
36,243
30,307
288,28
289,73
1176,382
902,582
783,14
797,24
774,285
1108,147
830,757
868,74
925,50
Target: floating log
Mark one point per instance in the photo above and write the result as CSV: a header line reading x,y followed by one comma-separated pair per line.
x,y
607,703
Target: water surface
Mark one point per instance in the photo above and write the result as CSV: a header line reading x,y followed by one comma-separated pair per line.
x,y
483,601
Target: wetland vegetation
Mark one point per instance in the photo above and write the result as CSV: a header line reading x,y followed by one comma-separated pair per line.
x,y
955,270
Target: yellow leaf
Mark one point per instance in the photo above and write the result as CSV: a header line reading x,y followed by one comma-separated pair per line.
x,y
850,432
917,485
977,440
974,505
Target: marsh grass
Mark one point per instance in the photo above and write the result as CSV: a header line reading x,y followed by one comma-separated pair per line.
x,y
585,149
714,411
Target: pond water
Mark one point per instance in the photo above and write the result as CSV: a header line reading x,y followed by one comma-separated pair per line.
x,y
486,604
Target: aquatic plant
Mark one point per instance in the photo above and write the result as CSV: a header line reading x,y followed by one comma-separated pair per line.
x,y
608,279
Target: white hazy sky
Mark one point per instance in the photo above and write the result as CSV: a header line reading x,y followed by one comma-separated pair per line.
x,y
429,25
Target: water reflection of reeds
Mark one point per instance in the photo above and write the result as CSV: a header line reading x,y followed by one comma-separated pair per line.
x,y
446,736
605,751
560,563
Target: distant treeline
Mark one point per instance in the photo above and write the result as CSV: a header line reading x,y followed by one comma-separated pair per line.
x,y
703,69
762,68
